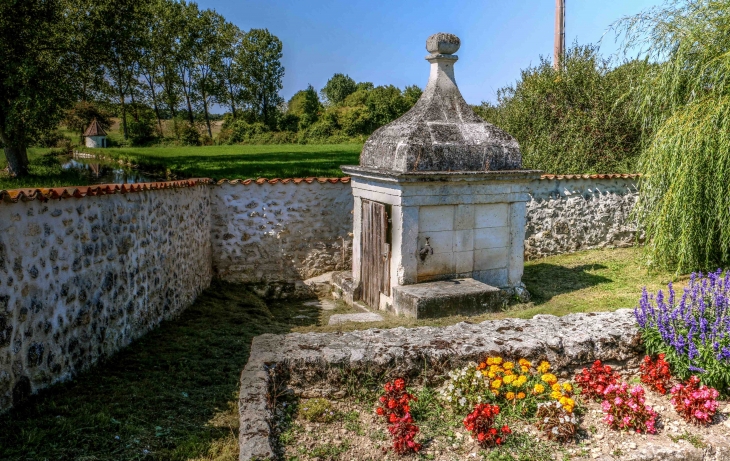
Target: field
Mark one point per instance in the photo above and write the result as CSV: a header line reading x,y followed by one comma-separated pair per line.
x,y
218,162
246,161
172,394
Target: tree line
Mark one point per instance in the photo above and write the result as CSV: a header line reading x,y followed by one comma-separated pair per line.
x,y
145,60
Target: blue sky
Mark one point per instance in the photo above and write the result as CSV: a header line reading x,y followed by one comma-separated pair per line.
x,y
384,41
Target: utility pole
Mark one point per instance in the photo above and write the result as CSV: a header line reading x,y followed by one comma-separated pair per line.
x,y
559,51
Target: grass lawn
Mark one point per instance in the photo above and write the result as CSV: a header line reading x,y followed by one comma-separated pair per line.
x,y
45,171
246,161
172,395
218,162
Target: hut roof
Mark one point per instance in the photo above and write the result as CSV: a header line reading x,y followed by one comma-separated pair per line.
x,y
95,129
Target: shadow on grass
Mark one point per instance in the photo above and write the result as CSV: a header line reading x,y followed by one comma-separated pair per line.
x,y
544,280
169,396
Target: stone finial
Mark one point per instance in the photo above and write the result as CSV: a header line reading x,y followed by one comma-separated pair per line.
x,y
443,43
441,132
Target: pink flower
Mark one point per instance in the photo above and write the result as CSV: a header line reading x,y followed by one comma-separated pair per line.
x,y
618,401
605,406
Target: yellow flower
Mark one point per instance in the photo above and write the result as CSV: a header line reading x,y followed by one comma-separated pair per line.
x,y
539,389
509,365
509,395
490,361
524,369
508,379
543,367
485,373
556,387
568,387
497,360
495,392
524,363
549,378
567,404
509,373
495,368
520,381
520,395
555,395
491,374
496,383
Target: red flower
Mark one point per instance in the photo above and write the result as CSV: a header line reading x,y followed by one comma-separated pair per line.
x,y
506,429
480,421
380,411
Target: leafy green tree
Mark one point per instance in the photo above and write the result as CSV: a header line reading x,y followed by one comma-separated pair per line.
x,y
310,107
385,104
208,49
575,120
260,61
338,88
119,30
78,117
684,104
229,72
37,56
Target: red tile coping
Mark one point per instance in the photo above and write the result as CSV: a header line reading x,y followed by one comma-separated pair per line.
x,y
43,194
261,181
591,176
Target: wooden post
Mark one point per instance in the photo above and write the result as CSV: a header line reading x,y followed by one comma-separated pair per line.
x,y
559,50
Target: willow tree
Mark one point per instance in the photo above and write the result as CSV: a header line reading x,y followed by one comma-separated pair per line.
x,y
684,103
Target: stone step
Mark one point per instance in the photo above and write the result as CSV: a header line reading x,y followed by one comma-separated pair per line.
x,y
448,297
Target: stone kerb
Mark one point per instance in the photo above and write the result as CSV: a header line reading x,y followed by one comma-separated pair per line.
x,y
312,364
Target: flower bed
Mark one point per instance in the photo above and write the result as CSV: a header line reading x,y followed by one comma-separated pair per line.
x,y
443,393
475,413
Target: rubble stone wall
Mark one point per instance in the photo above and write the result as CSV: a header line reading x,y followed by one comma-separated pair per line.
x,y
568,215
274,235
82,278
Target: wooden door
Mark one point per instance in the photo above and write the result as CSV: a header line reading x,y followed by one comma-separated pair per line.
x,y
375,255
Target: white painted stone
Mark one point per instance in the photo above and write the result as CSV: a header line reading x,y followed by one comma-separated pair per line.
x,y
463,262
363,317
463,240
491,258
517,242
496,215
464,217
435,218
491,237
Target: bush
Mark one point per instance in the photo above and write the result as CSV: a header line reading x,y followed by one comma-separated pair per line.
x,y
693,332
578,119
696,404
480,423
554,422
189,134
655,373
626,408
141,128
594,381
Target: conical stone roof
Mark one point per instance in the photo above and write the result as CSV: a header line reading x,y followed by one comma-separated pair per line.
x,y
441,132
95,129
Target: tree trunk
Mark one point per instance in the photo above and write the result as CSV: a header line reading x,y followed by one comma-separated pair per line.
x,y
233,101
17,158
207,117
124,115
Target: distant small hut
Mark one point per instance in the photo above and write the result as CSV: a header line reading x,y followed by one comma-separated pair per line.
x,y
95,135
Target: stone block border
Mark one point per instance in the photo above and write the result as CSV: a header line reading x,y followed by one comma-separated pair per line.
x,y
313,364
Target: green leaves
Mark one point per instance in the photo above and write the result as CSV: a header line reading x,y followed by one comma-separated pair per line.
x,y
575,120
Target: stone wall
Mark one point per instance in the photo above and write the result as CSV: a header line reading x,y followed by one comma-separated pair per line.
x,y
81,278
571,213
274,234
